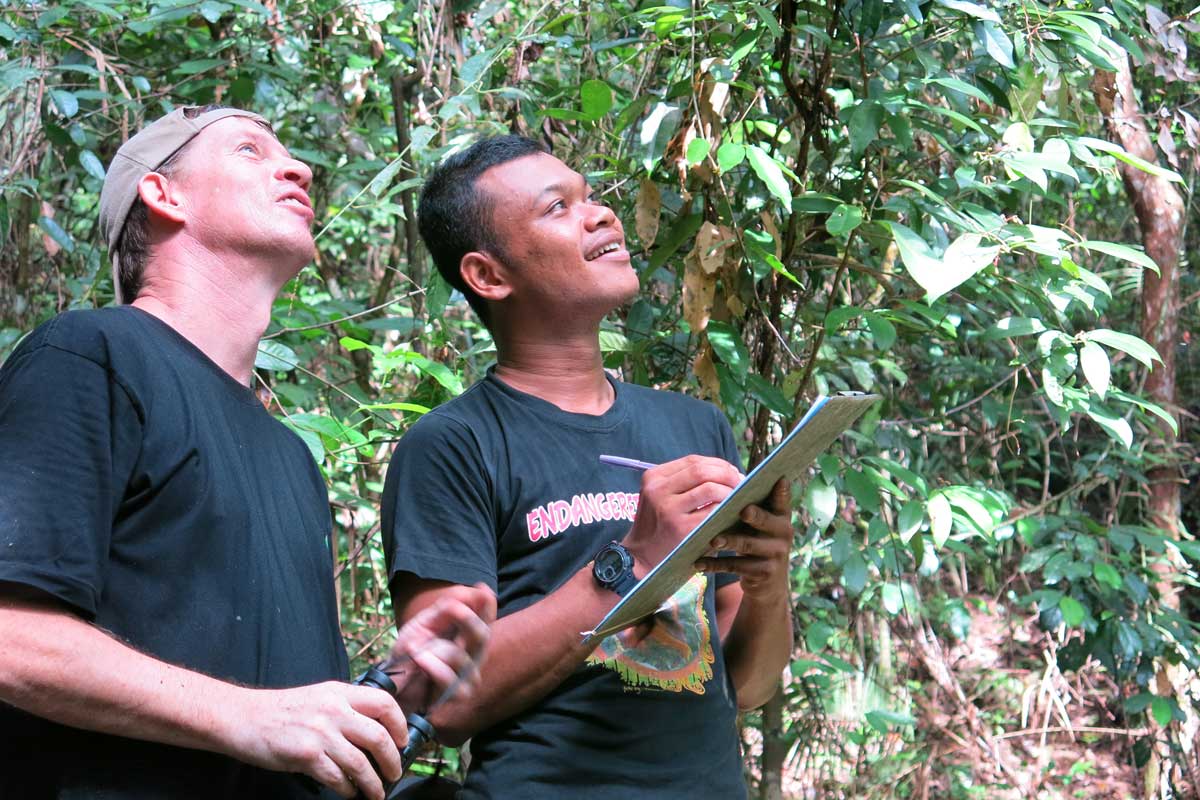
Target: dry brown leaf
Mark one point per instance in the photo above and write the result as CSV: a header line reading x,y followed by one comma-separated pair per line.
x,y
1166,141
1191,129
710,247
698,290
706,374
648,213
769,226
736,307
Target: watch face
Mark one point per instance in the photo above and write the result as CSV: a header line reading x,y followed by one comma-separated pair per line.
x,y
609,565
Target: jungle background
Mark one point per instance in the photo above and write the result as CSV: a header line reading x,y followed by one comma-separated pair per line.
x,y
983,211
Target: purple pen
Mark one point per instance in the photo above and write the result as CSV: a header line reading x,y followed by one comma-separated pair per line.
x,y
628,463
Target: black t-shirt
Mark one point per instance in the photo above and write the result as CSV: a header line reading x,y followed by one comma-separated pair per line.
x,y
503,487
149,491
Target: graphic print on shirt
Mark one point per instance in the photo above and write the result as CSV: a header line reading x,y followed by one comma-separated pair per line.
x,y
558,516
677,655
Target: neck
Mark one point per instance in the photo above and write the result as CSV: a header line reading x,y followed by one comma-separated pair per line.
x,y
217,309
568,372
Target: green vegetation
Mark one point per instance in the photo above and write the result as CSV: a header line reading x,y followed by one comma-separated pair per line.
x,y
935,201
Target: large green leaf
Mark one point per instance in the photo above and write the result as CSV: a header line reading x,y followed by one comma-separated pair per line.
x,y
1126,343
769,172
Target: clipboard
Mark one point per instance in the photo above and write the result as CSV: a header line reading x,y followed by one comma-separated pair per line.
x,y
820,427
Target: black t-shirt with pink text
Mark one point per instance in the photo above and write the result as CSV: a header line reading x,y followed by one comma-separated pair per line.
x,y
502,487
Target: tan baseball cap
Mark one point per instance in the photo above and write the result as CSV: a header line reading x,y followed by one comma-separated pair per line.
x,y
143,153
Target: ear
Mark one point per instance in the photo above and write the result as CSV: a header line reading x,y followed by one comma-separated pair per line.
x,y
160,197
486,275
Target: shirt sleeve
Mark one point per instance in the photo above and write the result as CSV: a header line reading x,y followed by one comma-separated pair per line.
x,y
69,433
439,519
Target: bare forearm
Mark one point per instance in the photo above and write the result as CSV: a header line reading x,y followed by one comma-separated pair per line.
x,y
759,647
59,667
530,653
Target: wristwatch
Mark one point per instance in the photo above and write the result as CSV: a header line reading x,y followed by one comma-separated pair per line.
x,y
613,568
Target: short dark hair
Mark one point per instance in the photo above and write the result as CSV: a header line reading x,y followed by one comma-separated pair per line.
x,y
133,246
455,217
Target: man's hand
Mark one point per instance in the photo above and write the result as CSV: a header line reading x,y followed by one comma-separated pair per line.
x,y
326,731
675,498
761,546
437,653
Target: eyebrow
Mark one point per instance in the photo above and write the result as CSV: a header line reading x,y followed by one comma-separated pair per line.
x,y
560,187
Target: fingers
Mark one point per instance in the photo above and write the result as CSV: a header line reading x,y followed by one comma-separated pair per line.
x,y
683,473
384,713
355,769
327,772
442,661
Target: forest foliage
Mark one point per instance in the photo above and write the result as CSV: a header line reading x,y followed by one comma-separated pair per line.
x,y
919,199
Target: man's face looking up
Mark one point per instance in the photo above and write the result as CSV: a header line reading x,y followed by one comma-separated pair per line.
x,y
242,194
563,249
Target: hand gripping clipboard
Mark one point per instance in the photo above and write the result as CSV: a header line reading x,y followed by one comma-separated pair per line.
x,y
820,427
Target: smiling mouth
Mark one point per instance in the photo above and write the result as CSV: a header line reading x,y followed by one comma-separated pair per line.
x,y
611,247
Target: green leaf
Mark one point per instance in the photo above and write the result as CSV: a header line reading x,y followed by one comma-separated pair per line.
x,y
1138,702
65,102
1105,574
55,232
893,600
941,518
198,65
1015,326
1096,367
844,219
1118,152
1160,709
729,155
971,9
415,407
383,179
352,344
613,342
910,519
881,719
963,258
728,345
864,124
595,98
1121,251
1073,612
1126,343
274,356
1117,427
854,574
821,501
959,85
768,21
995,43
818,635
474,68
883,332
440,373
89,161
697,150
769,173
768,394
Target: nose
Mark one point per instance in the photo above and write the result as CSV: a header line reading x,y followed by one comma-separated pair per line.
x,y
601,217
296,172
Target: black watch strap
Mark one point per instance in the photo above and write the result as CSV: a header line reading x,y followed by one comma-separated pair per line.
x,y
613,568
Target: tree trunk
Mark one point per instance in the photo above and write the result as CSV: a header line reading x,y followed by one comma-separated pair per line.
x,y
1159,209
774,751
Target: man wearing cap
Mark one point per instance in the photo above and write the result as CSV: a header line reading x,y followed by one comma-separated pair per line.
x,y
167,616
